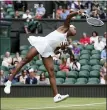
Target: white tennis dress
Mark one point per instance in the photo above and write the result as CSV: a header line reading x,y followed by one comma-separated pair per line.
x,y
46,45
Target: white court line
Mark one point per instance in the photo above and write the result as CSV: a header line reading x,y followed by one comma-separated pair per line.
x,y
62,106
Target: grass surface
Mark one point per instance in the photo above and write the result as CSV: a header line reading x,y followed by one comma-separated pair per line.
x,y
48,104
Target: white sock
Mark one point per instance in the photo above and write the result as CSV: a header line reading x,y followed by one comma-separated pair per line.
x,y
9,82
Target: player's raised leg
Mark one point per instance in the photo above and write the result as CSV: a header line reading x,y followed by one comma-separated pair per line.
x,y
30,55
48,63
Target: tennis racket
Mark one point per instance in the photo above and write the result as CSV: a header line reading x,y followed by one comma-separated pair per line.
x,y
97,22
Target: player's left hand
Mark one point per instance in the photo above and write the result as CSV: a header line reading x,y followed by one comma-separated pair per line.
x,y
63,45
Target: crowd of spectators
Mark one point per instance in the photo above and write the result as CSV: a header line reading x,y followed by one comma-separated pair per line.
x,y
95,9
17,8
67,60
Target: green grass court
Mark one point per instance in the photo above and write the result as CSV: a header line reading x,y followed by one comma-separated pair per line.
x,y
48,104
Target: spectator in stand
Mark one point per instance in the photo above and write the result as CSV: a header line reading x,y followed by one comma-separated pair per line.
x,y
103,74
59,11
94,37
104,39
87,10
63,66
63,15
16,15
75,49
68,10
70,60
56,59
34,72
43,80
7,60
75,5
104,54
40,11
85,39
70,43
99,44
28,17
16,78
31,79
74,65
17,57
95,14
2,77
8,2
20,5
23,76
2,13
15,63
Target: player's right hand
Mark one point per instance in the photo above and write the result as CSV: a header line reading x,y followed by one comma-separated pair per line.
x,y
80,11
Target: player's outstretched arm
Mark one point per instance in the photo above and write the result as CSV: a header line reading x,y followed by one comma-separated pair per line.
x,y
72,14
68,19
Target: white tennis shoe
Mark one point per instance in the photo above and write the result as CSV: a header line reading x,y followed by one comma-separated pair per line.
x,y
59,98
7,87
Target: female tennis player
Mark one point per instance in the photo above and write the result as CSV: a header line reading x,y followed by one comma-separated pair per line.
x,y
45,46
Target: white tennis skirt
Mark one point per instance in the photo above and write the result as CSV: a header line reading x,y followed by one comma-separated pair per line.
x,y
42,46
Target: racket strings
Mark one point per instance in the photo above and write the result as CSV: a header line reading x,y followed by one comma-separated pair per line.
x,y
94,21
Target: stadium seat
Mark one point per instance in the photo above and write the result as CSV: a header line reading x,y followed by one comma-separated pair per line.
x,y
4,68
42,68
8,17
95,56
94,62
12,55
85,52
70,81
35,67
96,67
17,83
72,74
9,6
56,68
10,9
86,67
59,81
6,73
83,74
85,56
39,72
94,80
82,80
24,52
61,74
77,57
36,58
95,52
94,74
2,56
89,47
83,62
39,62
46,74
81,47
24,47
11,13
